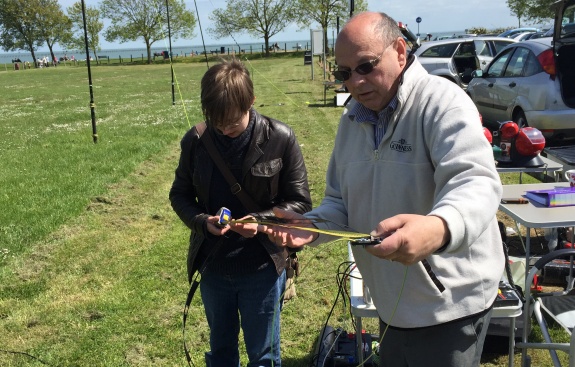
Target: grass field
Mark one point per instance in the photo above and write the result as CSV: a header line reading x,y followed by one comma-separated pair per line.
x,y
92,258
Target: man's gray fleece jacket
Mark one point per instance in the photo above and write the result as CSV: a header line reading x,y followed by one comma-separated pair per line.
x,y
433,160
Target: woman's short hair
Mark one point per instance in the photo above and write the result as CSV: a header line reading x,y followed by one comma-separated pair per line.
x,y
227,93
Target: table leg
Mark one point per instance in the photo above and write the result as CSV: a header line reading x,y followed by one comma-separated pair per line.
x,y
358,339
527,304
511,340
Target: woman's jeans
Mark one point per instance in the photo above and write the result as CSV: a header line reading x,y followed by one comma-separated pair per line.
x,y
253,301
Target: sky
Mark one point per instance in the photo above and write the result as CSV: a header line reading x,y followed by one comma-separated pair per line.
x,y
439,16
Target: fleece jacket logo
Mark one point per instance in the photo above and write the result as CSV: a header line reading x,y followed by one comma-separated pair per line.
x,y
400,146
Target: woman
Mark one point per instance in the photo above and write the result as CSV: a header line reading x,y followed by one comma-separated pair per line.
x,y
244,277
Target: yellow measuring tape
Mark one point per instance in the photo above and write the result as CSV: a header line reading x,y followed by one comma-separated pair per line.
x,y
347,235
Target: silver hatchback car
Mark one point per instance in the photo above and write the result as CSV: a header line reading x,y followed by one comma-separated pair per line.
x,y
456,58
532,83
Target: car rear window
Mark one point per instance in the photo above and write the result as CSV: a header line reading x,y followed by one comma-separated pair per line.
x,y
499,45
482,48
440,50
532,65
515,66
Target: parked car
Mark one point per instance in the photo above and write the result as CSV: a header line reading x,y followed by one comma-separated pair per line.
x,y
532,84
523,36
534,35
456,58
513,32
564,49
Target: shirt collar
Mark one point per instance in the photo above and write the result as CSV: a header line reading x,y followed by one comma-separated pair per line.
x,y
360,113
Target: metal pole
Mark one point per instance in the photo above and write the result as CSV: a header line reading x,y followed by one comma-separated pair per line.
x,y
92,105
351,8
171,63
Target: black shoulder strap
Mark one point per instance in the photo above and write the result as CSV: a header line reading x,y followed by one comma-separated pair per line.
x,y
235,187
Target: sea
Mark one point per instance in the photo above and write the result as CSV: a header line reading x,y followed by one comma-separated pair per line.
x,y
140,53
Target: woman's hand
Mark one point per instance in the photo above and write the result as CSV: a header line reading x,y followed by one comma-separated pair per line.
x,y
215,228
284,235
247,230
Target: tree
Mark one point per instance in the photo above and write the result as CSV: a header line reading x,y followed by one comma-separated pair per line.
x,y
260,18
54,25
93,28
19,28
132,19
325,13
518,8
540,10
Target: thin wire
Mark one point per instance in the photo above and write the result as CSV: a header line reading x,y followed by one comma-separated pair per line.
x,y
394,309
202,34
330,348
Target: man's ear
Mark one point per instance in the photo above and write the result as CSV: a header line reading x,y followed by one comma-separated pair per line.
x,y
401,48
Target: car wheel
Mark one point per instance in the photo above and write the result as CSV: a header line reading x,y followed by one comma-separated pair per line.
x,y
520,119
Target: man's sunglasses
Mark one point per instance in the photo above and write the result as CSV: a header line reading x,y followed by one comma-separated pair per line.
x,y
361,69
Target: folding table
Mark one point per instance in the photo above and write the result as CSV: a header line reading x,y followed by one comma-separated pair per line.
x,y
549,166
534,216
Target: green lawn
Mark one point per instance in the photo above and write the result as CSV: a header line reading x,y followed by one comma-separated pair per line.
x,y
92,258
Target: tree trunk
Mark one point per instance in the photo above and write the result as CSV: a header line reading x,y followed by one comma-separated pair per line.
x,y
33,57
267,44
149,50
52,57
96,56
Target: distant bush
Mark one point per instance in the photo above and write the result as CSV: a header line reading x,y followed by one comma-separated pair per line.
x,y
478,30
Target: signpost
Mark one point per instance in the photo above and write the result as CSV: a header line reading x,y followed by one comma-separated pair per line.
x,y
418,20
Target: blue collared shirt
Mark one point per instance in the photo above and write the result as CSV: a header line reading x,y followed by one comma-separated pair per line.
x,y
378,120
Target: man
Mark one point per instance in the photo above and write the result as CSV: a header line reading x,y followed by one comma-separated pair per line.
x,y
412,167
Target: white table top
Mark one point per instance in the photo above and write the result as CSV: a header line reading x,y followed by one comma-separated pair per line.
x,y
536,215
549,166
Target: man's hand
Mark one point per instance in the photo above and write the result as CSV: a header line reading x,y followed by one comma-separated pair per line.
x,y
409,238
284,235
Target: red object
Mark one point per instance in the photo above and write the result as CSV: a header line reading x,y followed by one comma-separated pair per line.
x,y
535,286
488,135
529,141
509,130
